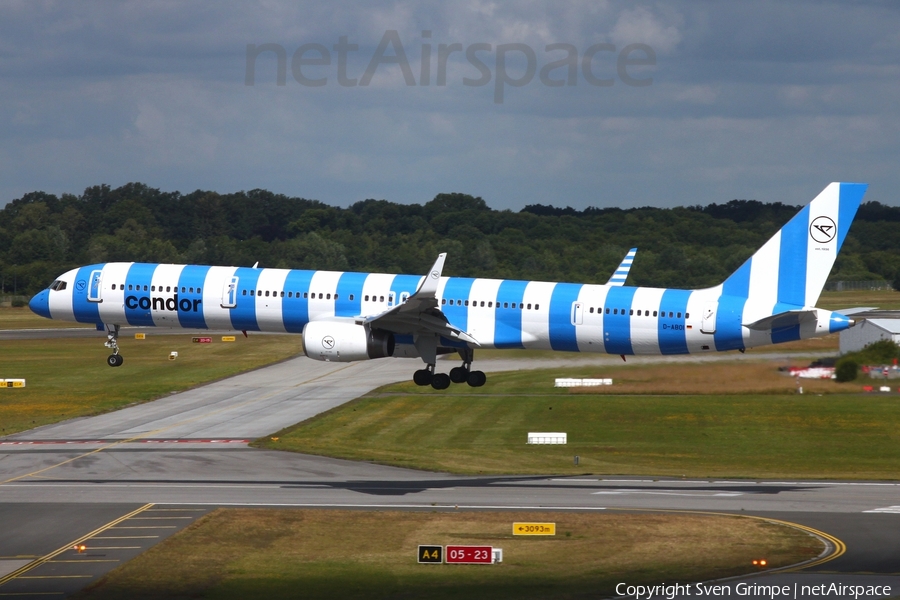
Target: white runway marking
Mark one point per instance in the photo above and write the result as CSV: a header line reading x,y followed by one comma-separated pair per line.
x,y
894,510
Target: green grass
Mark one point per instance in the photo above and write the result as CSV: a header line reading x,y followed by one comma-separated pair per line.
x,y
483,430
23,318
68,378
273,554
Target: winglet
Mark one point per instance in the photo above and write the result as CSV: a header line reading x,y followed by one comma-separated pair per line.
x,y
433,277
621,273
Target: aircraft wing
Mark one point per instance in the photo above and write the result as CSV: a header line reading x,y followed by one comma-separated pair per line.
x,y
621,273
420,313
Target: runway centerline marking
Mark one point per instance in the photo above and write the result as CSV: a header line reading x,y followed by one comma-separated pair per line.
x,y
50,556
172,426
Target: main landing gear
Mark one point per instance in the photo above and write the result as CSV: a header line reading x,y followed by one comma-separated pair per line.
x,y
463,373
112,341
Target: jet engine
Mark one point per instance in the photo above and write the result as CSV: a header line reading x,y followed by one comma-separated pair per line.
x,y
345,342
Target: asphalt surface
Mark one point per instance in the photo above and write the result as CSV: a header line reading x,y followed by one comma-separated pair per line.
x,y
186,454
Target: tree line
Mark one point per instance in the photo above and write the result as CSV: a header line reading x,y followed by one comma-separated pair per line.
x,y
43,235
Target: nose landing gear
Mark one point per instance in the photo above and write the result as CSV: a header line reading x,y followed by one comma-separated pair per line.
x,y
112,342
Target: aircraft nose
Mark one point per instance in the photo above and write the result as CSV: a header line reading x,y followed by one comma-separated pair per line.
x,y
40,304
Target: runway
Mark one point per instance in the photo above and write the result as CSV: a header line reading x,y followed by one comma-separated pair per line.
x,y
187,452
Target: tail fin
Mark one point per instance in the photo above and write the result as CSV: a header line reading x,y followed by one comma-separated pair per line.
x,y
792,267
621,272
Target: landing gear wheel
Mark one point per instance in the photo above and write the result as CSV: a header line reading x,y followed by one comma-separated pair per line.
x,y
440,381
423,377
114,360
476,378
458,374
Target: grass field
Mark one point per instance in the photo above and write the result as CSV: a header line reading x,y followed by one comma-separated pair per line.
x,y
273,554
744,425
23,318
67,378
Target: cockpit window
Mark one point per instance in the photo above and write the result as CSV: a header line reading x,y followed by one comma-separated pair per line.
x,y
58,285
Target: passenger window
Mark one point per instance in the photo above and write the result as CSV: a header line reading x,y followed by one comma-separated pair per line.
x,y
168,288
654,313
506,305
191,290
679,315
443,300
687,315
152,288
198,290
306,294
351,297
639,313
113,286
615,311
281,293
145,288
592,310
244,293
381,298
670,314
267,293
631,312
537,307
607,311
320,295
467,302
252,292
529,307
182,290
130,286
490,304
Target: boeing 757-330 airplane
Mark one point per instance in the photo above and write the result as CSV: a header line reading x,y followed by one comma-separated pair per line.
x,y
347,317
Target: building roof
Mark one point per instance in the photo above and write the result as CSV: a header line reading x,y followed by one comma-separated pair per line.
x,y
892,326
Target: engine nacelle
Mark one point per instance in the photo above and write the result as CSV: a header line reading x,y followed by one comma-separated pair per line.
x,y
345,342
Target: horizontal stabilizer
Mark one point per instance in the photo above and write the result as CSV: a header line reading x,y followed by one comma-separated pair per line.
x,y
870,313
783,319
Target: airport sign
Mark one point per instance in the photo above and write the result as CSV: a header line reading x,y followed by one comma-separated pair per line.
x,y
470,555
431,554
534,528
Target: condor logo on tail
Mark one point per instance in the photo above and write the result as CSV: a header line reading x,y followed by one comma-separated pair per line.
x,y
172,304
822,230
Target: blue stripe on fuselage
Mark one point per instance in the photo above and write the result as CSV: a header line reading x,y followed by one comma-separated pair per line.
x,y
562,331
730,310
728,335
192,276
243,316
617,327
672,338
350,284
508,320
84,311
137,284
404,284
788,333
294,307
457,289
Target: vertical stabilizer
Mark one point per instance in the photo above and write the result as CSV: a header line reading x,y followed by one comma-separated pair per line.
x,y
792,267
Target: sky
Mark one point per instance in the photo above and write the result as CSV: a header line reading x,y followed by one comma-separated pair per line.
x,y
595,103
